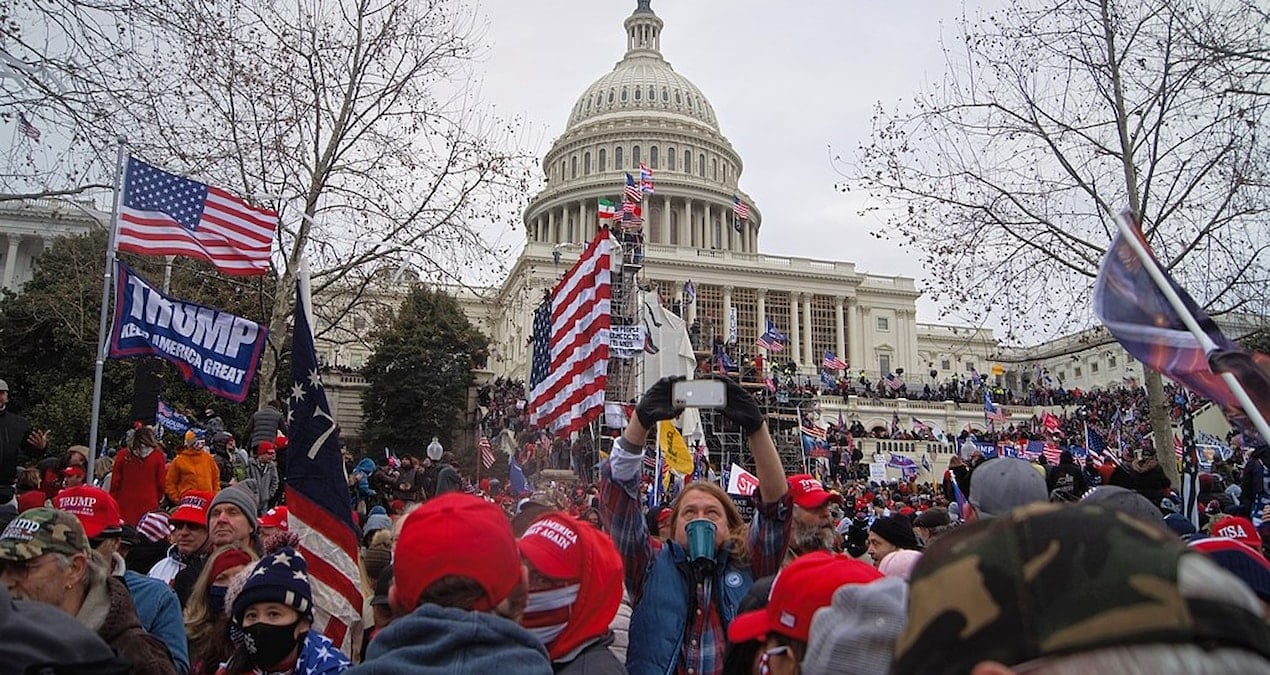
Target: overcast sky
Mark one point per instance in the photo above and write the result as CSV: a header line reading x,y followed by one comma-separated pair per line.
x,y
790,82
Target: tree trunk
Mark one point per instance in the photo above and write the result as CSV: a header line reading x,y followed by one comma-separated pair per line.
x,y
1161,426
271,357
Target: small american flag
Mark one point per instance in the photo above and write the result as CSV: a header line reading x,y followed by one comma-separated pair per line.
x,y
633,192
645,178
740,209
833,362
571,344
167,214
28,129
487,452
650,461
772,340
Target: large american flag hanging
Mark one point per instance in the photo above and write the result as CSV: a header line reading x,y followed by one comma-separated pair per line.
x,y
571,344
317,492
166,214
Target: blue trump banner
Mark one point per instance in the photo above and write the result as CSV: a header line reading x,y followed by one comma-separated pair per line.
x,y
211,349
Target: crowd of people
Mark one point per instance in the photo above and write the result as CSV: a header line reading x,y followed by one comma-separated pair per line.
x,y
180,560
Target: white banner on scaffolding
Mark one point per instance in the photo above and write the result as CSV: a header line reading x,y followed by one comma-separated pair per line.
x,y
626,342
732,325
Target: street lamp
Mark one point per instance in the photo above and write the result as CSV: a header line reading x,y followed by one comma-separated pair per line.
x,y
435,450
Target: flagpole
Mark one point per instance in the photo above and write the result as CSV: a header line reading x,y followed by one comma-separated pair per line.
x,y
1157,275
107,285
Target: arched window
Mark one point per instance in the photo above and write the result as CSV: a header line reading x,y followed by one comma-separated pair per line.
x,y
687,161
573,167
701,165
623,94
638,93
586,164
714,168
617,158
652,93
635,157
588,104
610,96
652,157
670,158
665,95
678,99
562,169
604,160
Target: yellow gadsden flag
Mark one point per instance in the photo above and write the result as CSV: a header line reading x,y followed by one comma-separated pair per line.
x,y
674,448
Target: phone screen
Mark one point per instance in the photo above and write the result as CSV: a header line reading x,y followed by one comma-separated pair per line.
x,y
699,394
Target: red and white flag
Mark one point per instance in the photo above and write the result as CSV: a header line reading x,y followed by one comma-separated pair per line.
x,y
487,452
569,372
166,214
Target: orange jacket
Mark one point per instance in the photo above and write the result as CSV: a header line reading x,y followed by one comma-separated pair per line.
x,y
191,469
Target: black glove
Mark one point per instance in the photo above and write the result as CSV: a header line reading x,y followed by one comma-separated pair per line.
x,y
655,405
742,408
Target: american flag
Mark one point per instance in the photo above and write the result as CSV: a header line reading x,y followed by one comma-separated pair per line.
x,y
632,216
317,492
814,430
28,129
487,452
166,214
740,209
633,192
832,362
772,340
991,410
571,344
645,178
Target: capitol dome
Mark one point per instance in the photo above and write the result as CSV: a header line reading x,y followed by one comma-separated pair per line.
x,y
644,114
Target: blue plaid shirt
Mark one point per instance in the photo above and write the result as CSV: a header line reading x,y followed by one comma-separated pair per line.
x,y
706,640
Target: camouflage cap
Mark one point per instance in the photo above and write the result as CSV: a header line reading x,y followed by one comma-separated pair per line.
x,y
1052,579
44,530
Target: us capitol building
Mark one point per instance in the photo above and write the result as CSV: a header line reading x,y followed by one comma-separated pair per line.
x,y
643,112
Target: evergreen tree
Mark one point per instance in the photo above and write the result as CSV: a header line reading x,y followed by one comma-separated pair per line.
x,y
420,376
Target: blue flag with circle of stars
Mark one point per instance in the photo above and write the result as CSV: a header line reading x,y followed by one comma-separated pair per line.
x,y
317,491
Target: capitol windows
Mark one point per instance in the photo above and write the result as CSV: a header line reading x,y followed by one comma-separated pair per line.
x,y
665,95
635,157
701,165
1111,362
638,93
623,94
610,96
945,365
573,167
687,161
678,99
586,164
714,167
884,324
652,157
652,93
670,158
617,158
1076,371
604,160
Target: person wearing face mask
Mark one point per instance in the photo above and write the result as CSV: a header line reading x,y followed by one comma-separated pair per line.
x,y
206,622
274,616
686,593
572,599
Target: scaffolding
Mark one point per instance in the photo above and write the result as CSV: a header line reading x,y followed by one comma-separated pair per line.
x,y
627,280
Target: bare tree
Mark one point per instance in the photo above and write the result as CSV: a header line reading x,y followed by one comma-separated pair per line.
x,y
356,119
1052,117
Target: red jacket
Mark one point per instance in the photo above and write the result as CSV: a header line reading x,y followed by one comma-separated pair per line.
x,y
137,484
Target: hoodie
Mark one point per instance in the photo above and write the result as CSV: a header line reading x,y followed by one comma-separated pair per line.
x,y
435,640
138,482
191,469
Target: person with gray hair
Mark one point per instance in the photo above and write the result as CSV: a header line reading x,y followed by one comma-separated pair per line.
x,y
1076,589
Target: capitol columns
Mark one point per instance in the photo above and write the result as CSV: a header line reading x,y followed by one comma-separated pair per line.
x,y
795,343
553,234
709,225
760,314
665,221
839,327
807,333
584,232
11,260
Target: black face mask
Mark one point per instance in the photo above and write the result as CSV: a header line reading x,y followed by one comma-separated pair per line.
x,y
267,645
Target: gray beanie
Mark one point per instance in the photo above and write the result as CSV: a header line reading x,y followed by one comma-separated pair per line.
x,y
857,632
1000,485
240,496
